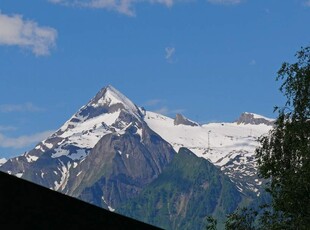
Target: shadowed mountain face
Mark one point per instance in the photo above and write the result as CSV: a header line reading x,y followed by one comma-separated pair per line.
x,y
118,167
185,193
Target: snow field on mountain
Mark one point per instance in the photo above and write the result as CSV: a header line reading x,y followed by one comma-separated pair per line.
x,y
84,134
212,141
64,176
257,116
230,146
93,128
2,161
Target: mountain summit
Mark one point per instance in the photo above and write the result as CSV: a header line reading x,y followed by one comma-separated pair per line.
x,y
254,119
182,120
109,100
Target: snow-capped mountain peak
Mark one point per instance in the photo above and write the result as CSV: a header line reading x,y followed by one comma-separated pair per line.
x,y
111,99
108,112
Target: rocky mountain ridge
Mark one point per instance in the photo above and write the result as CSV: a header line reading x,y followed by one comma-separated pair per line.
x,y
111,150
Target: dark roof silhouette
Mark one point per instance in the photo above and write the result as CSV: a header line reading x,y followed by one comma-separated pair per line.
x,y
28,205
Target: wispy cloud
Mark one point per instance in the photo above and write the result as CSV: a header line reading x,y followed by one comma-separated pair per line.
x,y
307,3
166,111
15,31
252,62
170,53
23,141
122,6
7,128
27,107
127,7
160,106
225,2
153,102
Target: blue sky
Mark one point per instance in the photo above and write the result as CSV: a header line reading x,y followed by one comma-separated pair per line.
x,y
210,60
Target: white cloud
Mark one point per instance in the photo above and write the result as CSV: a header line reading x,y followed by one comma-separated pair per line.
x,y
166,111
168,3
252,62
153,102
122,6
163,110
23,141
15,31
170,53
27,107
225,2
307,3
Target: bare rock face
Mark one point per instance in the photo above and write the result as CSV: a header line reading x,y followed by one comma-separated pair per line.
x,y
181,120
250,118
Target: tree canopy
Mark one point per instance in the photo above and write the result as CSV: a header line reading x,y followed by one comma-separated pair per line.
x,y
284,154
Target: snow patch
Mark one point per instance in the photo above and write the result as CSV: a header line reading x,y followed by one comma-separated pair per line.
x,y
60,152
64,176
81,153
139,132
30,158
19,175
49,145
109,207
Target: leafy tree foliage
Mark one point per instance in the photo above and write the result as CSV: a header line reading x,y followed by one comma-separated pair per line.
x,y
284,158
284,155
242,219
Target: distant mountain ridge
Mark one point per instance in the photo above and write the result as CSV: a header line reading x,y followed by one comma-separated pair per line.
x,y
230,146
111,150
254,119
181,120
